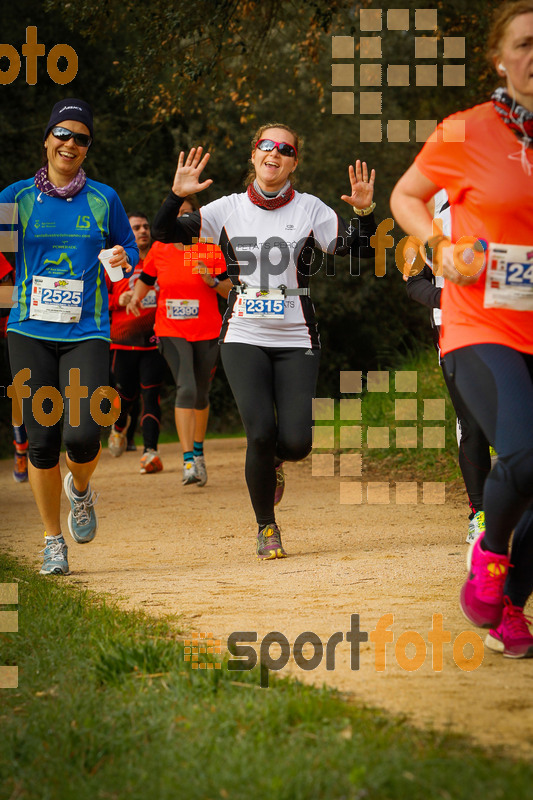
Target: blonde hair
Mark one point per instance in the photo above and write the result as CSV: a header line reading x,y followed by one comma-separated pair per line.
x,y
298,143
501,18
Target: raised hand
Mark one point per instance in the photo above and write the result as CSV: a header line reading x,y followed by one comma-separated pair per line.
x,y
362,188
187,177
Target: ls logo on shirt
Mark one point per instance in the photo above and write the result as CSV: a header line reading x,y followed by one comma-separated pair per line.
x,y
83,223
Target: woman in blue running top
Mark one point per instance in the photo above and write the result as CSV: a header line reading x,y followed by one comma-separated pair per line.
x,y
58,334
269,340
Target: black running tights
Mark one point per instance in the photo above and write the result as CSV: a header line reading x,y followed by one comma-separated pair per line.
x,y
134,372
474,452
274,388
496,383
50,364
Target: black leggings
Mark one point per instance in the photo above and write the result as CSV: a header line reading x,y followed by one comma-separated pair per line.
x,y
193,366
496,382
474,453
274,388
141,371
49,364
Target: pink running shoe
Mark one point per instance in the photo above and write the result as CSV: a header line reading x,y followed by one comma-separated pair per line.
x,y
482,594
512,636
280,484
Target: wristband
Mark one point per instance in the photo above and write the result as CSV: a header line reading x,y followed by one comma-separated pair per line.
x,y
216,282
362,212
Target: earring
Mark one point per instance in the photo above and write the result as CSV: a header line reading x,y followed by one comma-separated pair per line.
x,y
501,67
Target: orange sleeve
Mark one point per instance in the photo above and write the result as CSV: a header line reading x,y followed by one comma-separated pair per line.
x,y
149,265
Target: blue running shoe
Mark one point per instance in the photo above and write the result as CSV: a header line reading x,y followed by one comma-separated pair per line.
x,y
82,520
55,556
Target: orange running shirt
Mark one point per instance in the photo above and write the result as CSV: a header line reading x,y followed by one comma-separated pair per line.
x,y
491,198
127,331
173,269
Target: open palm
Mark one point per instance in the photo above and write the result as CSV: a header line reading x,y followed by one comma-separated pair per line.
x,y
187,177
362,187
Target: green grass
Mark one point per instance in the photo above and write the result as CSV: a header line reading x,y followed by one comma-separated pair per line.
x,y
107,708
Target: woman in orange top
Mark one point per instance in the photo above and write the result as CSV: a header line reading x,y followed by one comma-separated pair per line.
x,y
187,323
484,160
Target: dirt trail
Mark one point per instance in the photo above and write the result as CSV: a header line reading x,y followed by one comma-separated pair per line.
x,y
166,548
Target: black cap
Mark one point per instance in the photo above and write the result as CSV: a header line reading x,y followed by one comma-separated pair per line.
x,y
70,108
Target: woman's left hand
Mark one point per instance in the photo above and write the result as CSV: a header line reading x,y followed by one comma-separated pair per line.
x,y
361,186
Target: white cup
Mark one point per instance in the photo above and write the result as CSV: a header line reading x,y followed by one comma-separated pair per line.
x,y
115,273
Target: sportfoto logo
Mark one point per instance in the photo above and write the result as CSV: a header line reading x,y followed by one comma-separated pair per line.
x,y
31,51
9,623
430,47
245,255
410,649
74,392
341,425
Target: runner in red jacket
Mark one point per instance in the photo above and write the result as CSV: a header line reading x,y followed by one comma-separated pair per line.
x,y
137,367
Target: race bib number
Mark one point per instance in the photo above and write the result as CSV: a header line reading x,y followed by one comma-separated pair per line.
x,y
149,300
56,299
255,304
183,309
509,277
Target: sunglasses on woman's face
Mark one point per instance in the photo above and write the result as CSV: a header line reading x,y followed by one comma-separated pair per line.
x,y
63,134
284,148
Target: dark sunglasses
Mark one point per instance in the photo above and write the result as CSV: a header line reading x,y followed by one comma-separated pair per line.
x,y
63,134
284,148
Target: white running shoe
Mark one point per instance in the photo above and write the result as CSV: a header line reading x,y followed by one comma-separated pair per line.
x,y
118,440
201,470
151,462
189,473
476,527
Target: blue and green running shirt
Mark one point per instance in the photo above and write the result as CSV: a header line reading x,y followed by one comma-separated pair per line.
x,y
60,238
